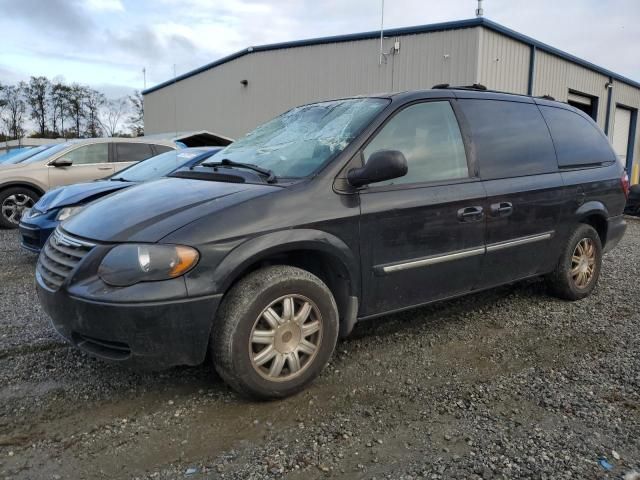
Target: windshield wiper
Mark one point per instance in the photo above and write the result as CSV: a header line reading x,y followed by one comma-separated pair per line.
x,y
225,162
119,179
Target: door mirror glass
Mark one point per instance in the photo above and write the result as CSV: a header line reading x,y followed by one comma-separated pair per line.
x,y
381,165
62,162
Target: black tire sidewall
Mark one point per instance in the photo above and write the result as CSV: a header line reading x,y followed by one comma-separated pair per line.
x,y
242,369
4,223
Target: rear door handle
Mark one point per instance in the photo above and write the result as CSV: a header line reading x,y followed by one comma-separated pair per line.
x,y
502,209
470,214
105,168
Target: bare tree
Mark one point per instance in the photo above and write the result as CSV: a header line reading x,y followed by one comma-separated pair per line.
x,y
136,119
58,99
14,110
36,93
75,105
93,101
111,114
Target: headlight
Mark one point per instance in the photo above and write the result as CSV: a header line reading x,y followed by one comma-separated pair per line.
x,y
66,212
129,264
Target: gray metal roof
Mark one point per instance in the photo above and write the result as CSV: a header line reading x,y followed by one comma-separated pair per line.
x,y
397,32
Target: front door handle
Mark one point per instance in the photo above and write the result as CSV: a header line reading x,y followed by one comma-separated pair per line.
x,y
104,168
502,209
470,214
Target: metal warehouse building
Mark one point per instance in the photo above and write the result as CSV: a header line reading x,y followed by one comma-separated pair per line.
x,y
238,92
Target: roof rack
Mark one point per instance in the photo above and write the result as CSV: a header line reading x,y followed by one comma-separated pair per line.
x,y
475,86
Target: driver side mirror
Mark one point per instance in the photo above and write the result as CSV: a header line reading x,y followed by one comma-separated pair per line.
x,y
62,162
382,165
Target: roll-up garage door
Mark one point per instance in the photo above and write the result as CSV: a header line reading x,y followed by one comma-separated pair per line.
x,y
582,102
621,126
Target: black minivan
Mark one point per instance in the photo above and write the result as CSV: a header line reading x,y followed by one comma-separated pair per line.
x,y
333,213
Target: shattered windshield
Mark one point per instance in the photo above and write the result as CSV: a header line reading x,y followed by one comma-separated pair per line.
x,y
298,142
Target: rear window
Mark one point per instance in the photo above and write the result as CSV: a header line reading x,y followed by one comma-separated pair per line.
x,y
577,140
133,152
510,138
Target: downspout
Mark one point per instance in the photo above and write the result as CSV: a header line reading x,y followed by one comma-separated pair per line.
x,y
607,117
532,69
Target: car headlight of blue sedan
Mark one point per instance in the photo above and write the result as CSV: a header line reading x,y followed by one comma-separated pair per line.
x,y
67,212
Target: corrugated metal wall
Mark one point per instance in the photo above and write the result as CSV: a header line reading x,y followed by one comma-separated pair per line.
x,y
627,96
280,79
555,76
503,63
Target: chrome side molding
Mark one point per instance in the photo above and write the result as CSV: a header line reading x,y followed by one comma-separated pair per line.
x,y
457,255
492,247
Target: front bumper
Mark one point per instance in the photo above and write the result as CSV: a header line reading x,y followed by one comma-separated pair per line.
x,y
35,231
616,226
150,336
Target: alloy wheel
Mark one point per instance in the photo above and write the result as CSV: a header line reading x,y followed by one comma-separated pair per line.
x,y
583,262
285,338
14,205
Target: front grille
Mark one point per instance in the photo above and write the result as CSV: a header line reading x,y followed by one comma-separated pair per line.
x,y
59,257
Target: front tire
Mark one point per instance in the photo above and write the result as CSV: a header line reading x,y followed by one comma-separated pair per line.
x,y
274,333
578,269
12,203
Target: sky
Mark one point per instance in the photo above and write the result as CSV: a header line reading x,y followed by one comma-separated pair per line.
x,y
107,43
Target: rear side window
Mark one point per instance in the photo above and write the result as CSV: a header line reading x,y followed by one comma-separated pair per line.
x,y
133,152
577,141
429,137
510,138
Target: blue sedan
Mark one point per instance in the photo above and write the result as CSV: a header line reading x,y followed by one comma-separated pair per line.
x,y
59,204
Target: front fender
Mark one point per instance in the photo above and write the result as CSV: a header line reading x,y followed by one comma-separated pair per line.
x,y
243,255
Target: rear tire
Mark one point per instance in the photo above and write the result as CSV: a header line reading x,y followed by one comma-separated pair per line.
x,y
578,269
275,331
13,201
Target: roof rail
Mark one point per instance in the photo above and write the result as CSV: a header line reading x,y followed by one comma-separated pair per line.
x,y
475,86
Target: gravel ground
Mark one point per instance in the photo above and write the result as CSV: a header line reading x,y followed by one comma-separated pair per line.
x,y
508,383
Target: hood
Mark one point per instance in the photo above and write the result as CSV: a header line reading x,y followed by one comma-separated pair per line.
x,y
150,211
77,194
13,166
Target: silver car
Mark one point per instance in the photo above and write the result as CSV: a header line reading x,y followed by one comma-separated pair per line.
x,y
22,183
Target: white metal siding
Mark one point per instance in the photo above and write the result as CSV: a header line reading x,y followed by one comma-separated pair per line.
x,y
555,76
503,63
280,79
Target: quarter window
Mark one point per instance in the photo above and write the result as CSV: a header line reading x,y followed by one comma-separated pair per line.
x,y
133,152
429,137
95,153
577,140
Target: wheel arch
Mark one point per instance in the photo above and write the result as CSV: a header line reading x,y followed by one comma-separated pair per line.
x,y
17,183
319,252
595,213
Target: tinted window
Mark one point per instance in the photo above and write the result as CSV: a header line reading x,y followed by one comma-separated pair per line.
x,y
133,152
96,153
577,140
510,138
429,137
